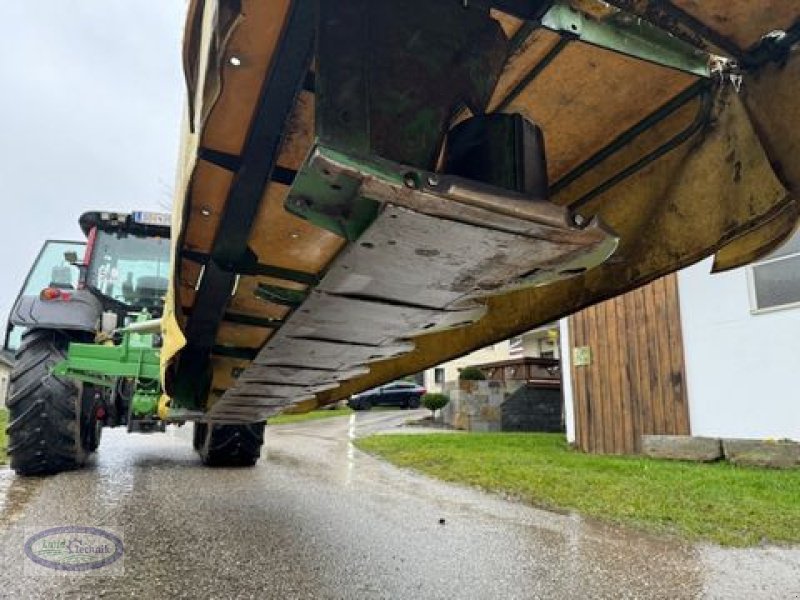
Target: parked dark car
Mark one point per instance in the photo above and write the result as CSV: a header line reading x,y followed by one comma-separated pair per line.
x,y
404,394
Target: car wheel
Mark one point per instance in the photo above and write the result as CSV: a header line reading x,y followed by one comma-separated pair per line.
x,y
415,402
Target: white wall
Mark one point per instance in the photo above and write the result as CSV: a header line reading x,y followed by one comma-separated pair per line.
x,y
742,369
493,353
566,380
533,343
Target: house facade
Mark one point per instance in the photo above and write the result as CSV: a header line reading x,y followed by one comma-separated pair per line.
x,y
696,353
538,343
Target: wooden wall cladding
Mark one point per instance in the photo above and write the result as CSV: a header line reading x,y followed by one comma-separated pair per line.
x,y
634,382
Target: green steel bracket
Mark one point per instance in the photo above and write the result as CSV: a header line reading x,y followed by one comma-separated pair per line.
x,y
144,403
449,197
100,364
334,200
630,35
134,358
331,202
389,77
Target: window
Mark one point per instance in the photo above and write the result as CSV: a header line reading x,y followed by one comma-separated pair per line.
x,y
775,281
130,268
51,269
399,385
438,375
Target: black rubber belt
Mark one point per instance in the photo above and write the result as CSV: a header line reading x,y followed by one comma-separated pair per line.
x,y
254,170
701,119
257,270
537,70
242,319
233,162
235,352
625,138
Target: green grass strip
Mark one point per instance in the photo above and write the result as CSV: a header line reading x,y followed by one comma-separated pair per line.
x,y
310,416
736,506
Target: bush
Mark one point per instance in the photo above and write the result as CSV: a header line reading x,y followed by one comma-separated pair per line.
x,y
434,402
471,374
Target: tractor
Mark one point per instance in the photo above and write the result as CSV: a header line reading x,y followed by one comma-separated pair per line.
x,y
86,332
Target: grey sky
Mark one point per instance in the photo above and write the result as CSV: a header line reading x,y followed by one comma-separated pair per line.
x,y
90,111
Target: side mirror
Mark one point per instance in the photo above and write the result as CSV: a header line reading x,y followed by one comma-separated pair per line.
x,y
71,257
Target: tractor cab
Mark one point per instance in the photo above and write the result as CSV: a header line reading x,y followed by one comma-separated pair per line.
x,y
87,341
121,270
127,260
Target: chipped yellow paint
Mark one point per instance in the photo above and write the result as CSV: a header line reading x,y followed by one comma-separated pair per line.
x,y
742,21
284,240
726,190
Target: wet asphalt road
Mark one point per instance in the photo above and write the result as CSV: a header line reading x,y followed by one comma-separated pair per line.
x,y
319,519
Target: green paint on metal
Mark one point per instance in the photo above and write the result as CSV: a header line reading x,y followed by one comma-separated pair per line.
x,y
101,364
630,35
390,75
331,202
104,364
145,404
366,167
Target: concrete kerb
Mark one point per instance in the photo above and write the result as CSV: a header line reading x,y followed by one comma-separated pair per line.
x,y
779,454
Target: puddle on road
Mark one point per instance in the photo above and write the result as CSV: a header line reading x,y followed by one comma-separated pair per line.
x,y
588,552
15,494
556,555
327,454
351,451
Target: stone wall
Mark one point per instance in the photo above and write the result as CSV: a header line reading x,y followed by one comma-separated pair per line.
x,y
534,408
498,406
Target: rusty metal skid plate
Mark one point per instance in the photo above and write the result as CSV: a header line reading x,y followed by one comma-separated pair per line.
x,y
437,248
311,378
330,317
285,350
456,236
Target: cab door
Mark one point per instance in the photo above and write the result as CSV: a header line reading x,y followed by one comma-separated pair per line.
x,y
50,269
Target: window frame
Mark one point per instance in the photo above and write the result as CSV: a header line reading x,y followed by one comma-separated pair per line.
x,y
400,385
751,285
93,264
9,328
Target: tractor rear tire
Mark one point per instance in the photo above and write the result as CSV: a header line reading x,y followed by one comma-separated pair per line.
x,y
44,433
229,445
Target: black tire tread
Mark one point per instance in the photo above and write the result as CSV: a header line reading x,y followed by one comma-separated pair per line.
x,y
229,445
44,427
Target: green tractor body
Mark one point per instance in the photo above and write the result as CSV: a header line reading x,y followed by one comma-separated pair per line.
x,y
87,337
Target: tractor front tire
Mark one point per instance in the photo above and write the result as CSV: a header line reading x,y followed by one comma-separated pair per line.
x,y
44,433
229,445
